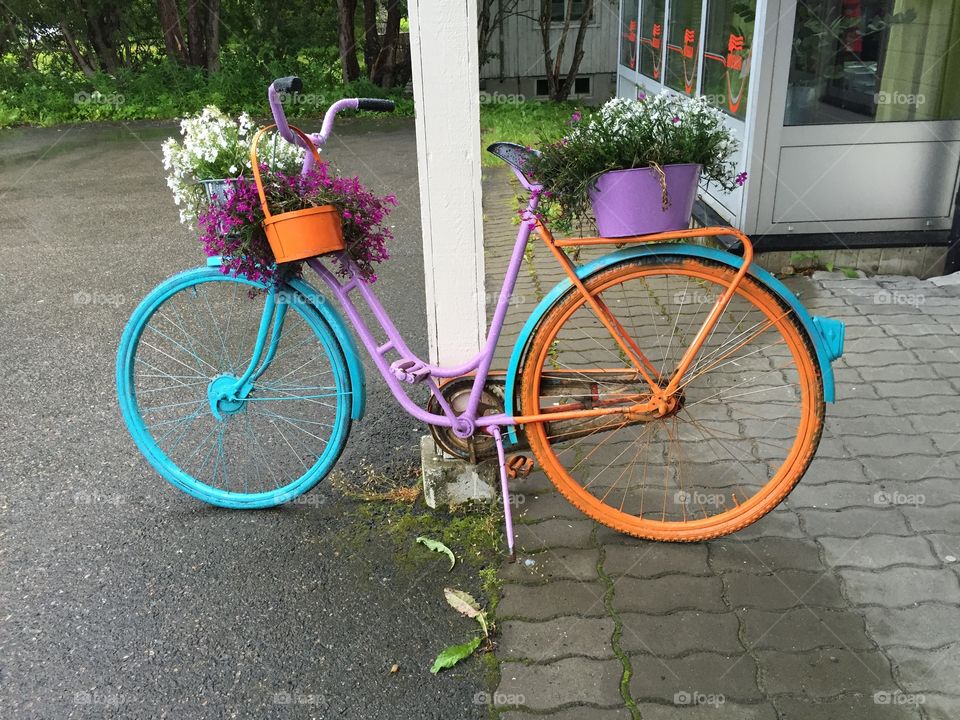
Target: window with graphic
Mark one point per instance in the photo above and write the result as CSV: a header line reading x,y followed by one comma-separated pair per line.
x,y
727,55
651,38
629,32
683,45
857,61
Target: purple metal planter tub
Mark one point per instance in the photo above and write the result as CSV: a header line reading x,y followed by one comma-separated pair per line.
x,y
629,202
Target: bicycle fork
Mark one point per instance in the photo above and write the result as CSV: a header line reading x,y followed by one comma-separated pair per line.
x,y
227,393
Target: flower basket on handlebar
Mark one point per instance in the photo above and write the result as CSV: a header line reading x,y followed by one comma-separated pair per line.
x,y
298,234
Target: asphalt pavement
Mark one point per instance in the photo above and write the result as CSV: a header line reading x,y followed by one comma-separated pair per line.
x,y
122,597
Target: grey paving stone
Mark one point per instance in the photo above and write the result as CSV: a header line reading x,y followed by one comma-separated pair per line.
x,y
935,423
667,594
924,404
781,522
681,680
565,682
680,632
782,590
723,711
868,426
535,482
934,519
853,408
805,628
910,389
826,470
877,551
825,673
859,706
929,492
875,345
929,625
897,373
941,707
647,559
890,445
764,554
871,361
946,546
554,639
553,534
909,468
922,671
561,597
553,564
899,587
832,496
534,507
854,522
945,442
572,713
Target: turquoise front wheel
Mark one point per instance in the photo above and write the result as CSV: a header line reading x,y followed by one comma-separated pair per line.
x,y
181,355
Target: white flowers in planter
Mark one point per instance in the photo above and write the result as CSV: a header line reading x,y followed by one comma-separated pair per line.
x,y
215,146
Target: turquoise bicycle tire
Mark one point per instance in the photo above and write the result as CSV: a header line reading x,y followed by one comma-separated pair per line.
x,y
158,458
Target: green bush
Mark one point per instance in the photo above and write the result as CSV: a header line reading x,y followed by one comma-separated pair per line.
x,y
165,90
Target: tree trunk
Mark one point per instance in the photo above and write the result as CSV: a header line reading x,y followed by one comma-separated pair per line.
x,y
578,48
559,84
85,66
384,71
196,33
544,22
172,33
101,32
371,39
346,40
212,40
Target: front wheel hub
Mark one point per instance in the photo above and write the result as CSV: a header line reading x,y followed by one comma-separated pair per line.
x,y
222,396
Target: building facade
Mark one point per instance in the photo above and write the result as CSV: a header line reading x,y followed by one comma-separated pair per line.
x,y
516,64
848,111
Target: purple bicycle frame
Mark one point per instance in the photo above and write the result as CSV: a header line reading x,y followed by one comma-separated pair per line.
x,y
467,423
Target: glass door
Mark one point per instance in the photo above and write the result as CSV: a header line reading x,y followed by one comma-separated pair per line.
x,y
864,129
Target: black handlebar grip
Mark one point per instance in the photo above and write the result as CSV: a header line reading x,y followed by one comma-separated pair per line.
x,y
289,84
376,105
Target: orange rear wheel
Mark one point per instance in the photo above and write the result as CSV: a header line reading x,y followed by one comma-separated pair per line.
x,y
729,446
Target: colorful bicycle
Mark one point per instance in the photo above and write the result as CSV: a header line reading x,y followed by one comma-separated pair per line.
x,y
669,390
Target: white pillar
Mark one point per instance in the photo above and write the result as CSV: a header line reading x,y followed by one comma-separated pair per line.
x,y
446,71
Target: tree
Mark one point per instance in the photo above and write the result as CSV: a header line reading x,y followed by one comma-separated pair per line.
x,y
347,40
380,52
560,83
491,15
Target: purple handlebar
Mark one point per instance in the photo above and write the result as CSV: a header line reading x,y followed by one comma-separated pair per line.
x,y
276,107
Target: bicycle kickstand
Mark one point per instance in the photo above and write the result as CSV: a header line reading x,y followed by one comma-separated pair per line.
x,y
505,491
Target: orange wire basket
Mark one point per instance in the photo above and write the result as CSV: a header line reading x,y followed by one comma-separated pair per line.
x,y
298,234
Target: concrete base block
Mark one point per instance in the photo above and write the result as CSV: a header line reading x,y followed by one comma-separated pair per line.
x,y
451,481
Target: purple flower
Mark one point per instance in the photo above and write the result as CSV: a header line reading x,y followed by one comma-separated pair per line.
x,y
741,178
576,117
641,96
675,119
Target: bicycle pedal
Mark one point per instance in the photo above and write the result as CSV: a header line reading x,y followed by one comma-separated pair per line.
x,y
409,371
519,466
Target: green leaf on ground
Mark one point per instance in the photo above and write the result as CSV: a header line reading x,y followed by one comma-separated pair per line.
x,y
439,547
463,602
450,656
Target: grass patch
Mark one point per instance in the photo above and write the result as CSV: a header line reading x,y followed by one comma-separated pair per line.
x,y
522,123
